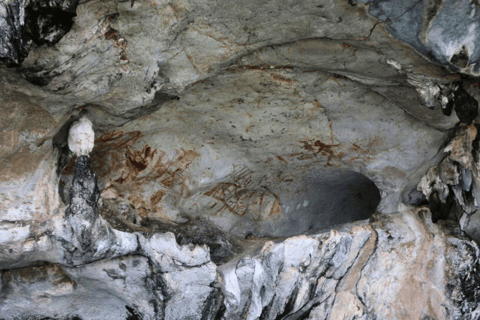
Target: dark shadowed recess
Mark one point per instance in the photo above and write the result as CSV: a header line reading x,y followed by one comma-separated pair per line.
x,y
336,197
39,21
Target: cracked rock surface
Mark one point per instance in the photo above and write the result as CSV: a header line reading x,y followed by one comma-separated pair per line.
x,y
245,160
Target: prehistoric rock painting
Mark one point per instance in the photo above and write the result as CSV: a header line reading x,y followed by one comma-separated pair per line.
x,y
141,176
238,199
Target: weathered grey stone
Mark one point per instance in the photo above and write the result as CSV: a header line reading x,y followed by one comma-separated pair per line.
x,y
444,31
25,21
357,274
251,161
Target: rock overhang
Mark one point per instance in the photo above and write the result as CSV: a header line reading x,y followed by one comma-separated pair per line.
x,y
250,122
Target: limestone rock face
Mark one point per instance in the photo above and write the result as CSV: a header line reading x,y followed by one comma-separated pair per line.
x,y
445,31
241,160
27,21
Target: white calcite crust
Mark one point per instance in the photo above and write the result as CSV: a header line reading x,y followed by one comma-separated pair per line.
x,y
81,137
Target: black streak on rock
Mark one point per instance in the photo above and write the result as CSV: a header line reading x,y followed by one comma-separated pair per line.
x,y
84,194
461,58
466,106
200,231
212,305
439,209
476,143
40,21
132,314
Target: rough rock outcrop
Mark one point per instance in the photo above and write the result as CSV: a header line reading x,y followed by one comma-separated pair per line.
x,y
252,160
400,266
38,21
445,31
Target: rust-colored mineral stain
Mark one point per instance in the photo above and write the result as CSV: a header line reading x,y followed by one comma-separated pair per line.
x,y
276,207
317,104
281,159
356,146
109,151
157,197
278,78
111,34
375,143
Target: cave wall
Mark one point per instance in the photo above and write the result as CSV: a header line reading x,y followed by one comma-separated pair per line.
x,y
251,160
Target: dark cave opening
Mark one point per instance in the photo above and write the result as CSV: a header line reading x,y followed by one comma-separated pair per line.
x,y
330,198
343,196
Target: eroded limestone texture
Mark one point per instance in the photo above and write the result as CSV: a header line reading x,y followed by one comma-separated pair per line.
x,y
445,31
26,21
246,160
